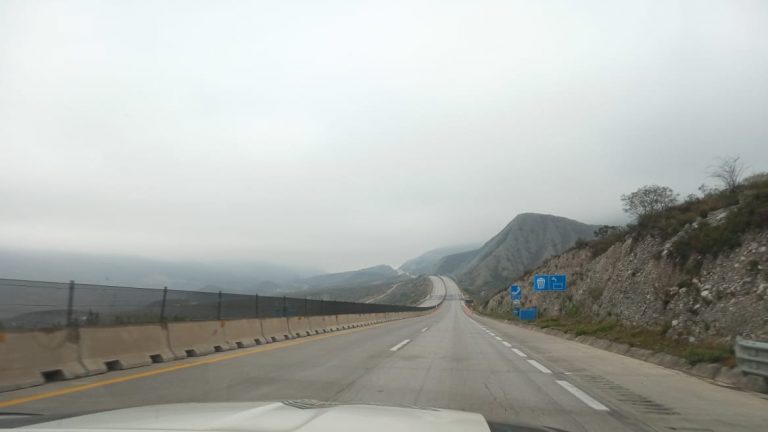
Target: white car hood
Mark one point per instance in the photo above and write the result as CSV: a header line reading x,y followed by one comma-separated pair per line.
x,y
287,416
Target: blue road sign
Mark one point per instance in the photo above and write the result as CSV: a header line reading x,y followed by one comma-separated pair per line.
x,y
516,307
544,282
515,293
528,314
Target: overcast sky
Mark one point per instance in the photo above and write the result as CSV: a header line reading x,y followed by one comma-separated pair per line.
x,y
343,134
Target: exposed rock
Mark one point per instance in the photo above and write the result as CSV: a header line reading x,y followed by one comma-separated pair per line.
x,y
631,284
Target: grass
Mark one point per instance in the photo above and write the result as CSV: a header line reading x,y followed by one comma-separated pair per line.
x,y
652,339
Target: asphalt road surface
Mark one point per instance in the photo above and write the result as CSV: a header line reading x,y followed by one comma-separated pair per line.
x,y
447,359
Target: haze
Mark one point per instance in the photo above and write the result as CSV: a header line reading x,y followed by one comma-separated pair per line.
x,y
346,134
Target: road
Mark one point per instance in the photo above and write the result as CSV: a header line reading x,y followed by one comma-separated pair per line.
x,y
447,359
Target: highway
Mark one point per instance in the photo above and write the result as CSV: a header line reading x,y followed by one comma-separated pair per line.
x,y
448,359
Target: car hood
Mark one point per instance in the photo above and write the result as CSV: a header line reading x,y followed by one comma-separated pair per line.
x,y
286,416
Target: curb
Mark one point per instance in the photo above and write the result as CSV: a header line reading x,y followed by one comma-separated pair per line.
x,y
712,372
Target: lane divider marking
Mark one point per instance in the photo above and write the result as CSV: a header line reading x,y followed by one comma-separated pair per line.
x,y
507,344
424,329
212,359
400,345
518,352
587,399
498,338
539,366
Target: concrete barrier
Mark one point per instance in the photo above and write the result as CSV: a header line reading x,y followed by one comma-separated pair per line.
x,y
349,320
323,324
299,326
29,358
198,338
275,329
243,333
123,347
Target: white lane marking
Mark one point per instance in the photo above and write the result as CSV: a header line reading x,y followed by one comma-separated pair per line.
x,y
539,366
498,338
492,334
507,344
424,329
518,352
400,345
587,399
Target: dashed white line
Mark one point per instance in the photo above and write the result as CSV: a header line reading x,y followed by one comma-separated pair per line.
x,y
587,399
400,345
498,338
424,329
506,344
518,352
539,366
492,334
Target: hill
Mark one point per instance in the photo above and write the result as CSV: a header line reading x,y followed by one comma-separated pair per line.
x,y
214,275
687,280
366,276
429,262
526,241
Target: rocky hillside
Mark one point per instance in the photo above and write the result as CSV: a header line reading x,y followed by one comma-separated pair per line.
x,y
695,273
526,241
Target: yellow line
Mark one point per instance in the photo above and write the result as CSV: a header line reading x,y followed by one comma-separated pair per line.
x,y
216,359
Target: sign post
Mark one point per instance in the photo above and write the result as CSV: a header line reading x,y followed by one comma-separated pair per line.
x,y
516,295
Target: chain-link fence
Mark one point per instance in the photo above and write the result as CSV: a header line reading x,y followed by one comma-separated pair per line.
x,y
34,305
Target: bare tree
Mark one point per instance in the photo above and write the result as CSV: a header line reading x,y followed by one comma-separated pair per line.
x,y
729,171
649,199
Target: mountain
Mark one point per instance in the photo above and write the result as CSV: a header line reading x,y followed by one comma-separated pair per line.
x,y
525,242
368,284
366,276
456,263
428,262
232,276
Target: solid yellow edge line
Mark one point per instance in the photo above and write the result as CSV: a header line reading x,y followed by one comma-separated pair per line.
x,y
270,347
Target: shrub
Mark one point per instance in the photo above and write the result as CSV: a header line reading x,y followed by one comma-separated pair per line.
x,y
696,355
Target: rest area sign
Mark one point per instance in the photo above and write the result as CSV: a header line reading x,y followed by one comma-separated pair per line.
x,y
543,282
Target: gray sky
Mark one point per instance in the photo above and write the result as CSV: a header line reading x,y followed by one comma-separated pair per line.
x,y
346,134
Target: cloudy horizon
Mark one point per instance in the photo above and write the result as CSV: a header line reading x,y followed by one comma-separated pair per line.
x,y
344,135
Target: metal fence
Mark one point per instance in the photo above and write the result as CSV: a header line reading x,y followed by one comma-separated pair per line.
x,y
33,305
752,356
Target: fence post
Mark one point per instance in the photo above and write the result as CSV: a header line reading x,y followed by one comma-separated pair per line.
x,y
256,307
218,309
70,302
162,305
285,307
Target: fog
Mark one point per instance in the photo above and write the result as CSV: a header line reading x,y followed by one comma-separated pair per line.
x,y
345,134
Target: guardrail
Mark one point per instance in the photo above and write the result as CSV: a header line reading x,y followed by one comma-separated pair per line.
x,y
752,356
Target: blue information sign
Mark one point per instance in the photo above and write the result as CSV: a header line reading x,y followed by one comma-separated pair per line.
x,y
528,314
542,282
515,293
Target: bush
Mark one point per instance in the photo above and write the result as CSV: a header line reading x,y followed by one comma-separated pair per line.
x,y
708,239
696,355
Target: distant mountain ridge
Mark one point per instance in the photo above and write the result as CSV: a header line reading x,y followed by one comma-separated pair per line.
x,y
525,242
122,270
370,275
429,262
